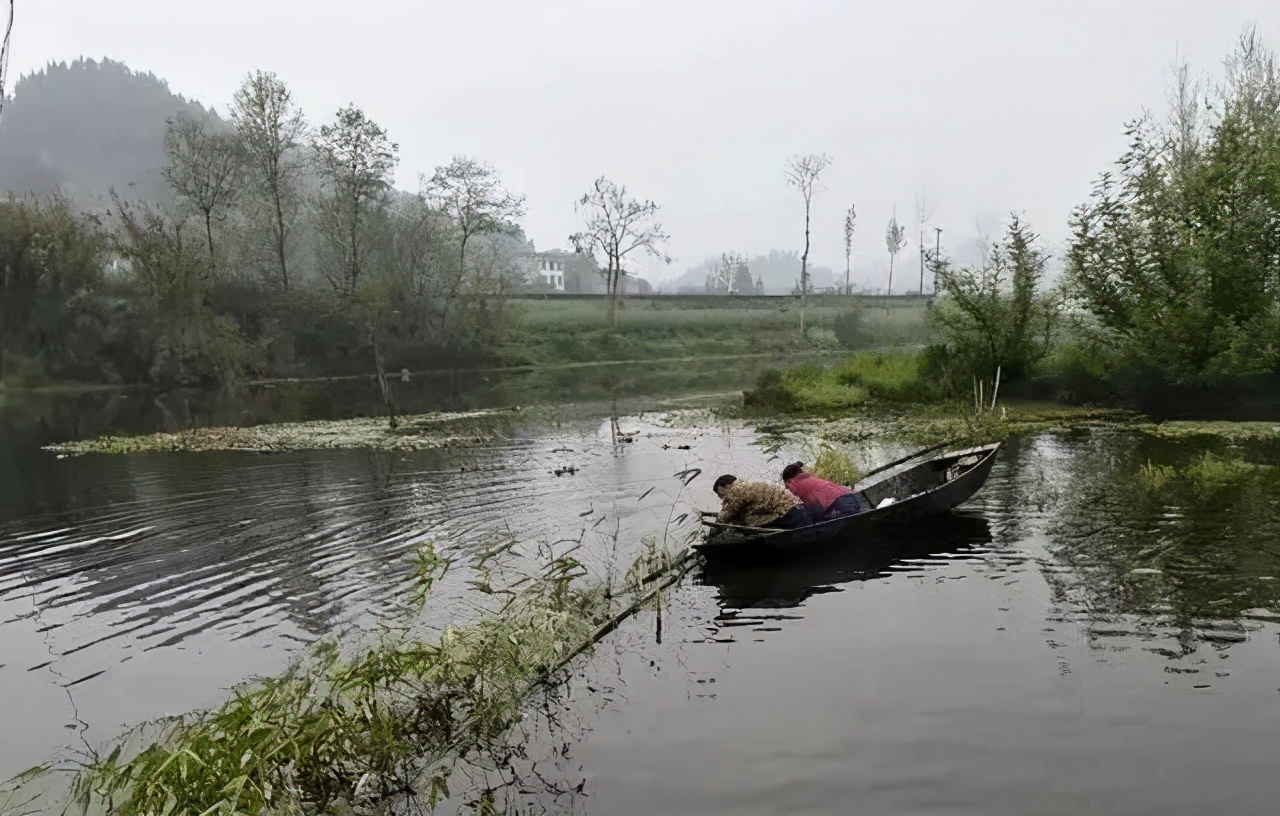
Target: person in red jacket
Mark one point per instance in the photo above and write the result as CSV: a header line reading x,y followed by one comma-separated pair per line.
x,y
828,499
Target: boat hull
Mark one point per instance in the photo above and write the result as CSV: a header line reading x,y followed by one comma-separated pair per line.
x,y
921,491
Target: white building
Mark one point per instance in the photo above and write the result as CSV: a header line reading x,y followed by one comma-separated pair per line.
x,y
550,272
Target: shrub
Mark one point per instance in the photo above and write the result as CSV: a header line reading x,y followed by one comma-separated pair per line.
x,y
850,329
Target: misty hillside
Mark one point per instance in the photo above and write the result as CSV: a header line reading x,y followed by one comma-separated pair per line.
x,y
86,127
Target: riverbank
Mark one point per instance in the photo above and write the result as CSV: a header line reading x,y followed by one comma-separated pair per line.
x,y
321,340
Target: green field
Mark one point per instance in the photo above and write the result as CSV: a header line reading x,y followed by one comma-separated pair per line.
x,y
548,332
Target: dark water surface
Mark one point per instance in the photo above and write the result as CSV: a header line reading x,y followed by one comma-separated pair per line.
x,y
1030,657
1076,640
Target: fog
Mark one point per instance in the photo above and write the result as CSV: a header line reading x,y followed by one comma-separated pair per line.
x,y
988,107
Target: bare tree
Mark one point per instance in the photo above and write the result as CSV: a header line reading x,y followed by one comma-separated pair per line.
x,y
273,130
616,226
206,166
802,173
356,160
895,238
4,54
923,211
472,195
731,277
849,218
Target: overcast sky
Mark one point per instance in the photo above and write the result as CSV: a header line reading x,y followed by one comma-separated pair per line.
x,y
989,106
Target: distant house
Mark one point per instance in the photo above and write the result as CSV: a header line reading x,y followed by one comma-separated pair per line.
x,y
733,277
548,272
559,271
116,266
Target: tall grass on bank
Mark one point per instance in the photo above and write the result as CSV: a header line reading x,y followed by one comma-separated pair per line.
x,y
571,331
857,380
346,735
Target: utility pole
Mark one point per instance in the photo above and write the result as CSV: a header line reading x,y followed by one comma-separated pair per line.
x,y
937,257
922,259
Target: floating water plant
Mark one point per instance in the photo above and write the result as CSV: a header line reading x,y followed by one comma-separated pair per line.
x,y
334,734
419,432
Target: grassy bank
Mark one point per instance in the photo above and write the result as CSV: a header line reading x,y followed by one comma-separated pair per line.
x,y
854,382
554,332
893,395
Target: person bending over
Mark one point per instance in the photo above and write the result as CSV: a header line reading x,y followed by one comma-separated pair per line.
x,y
758,504
828,499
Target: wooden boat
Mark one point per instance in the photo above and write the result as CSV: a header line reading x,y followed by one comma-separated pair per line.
x,y
899,493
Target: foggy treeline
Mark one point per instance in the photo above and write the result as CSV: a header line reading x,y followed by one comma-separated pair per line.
x,y
167,244
272,242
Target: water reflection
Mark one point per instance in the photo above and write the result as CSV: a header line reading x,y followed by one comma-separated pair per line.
x,y
1188,531
786,580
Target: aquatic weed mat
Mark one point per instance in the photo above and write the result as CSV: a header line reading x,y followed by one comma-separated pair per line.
x,y
1231,432
411,432
416,432
928,425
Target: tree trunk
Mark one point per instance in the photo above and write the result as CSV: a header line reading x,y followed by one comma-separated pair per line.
x,y
355,262
284,269
382,380
611,280
804,269
457,283
208,230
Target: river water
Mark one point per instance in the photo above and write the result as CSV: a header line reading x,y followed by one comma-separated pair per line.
x,y
1076,640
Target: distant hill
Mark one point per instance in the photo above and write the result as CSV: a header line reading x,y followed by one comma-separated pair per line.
x,y
87,127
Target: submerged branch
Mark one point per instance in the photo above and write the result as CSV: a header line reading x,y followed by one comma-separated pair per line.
x,y
349,736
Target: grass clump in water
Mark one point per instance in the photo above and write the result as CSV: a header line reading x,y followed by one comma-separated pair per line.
x,y
339,735
835,466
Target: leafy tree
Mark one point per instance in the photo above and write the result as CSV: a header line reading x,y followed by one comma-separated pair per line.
x,y
356,161
206,164
50,260
471,194
419,254
273,130
616,226
802,173
187,343
1176,255
994,315
895,238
